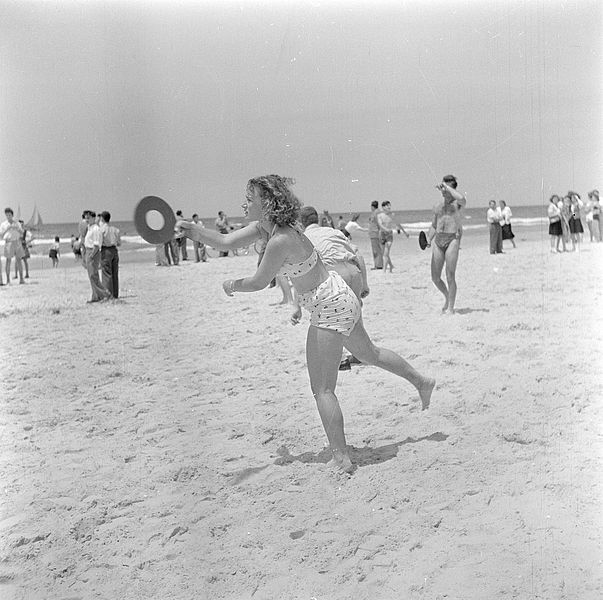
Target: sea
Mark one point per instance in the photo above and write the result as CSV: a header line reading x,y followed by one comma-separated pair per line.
x,y
412,220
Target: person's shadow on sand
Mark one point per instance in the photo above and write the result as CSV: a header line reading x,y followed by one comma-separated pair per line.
x,y
466,311
361,457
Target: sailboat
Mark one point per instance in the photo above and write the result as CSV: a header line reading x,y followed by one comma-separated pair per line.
x,y
36,220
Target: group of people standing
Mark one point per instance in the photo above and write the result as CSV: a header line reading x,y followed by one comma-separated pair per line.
x,y
98,245
499,223
381,227
565,220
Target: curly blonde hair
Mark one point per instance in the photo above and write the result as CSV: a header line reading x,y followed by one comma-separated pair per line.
x,y
280,204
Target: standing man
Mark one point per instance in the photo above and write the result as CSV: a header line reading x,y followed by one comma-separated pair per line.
x,y
447,229
494,217
199,247
93,242
82,229
111,240
373,232
223,226
385,220
12,233
181,238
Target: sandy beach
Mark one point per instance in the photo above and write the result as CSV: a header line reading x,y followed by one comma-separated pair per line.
x,y
167,445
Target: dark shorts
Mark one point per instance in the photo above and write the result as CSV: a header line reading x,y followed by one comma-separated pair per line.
x,y
555,228
443,240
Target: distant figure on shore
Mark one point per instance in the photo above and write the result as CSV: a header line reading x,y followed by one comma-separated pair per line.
x,y
181,239
555,230
26,243
575,219
76,247
494,218
341,226
111,241
223,226
199,247
373,232
82,229
447,228
326,220
335,311
93,242
593,210
54,252
564,205
12,232
387,224
507,231
353,227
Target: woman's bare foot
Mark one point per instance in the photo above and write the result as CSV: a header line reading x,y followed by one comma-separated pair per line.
x,y
425,391
445,307
342,462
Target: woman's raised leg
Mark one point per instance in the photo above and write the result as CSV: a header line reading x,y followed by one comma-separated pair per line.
x,y
362,347
323,354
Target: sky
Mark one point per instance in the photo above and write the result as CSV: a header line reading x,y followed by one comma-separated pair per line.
x,y
102,103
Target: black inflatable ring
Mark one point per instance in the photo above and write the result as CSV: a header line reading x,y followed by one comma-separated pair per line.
x,y
154,236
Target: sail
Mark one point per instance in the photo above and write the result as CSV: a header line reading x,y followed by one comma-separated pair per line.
x,y
36,220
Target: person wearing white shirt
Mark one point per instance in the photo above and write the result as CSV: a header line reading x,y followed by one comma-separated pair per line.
x,y
494,217
575,218
338,254
352,225
93,243
199,247
111,240
555,230
12,233
507,232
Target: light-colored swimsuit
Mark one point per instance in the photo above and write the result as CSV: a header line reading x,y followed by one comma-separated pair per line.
x,y
332,304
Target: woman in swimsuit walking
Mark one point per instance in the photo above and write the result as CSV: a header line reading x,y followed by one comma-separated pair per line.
x,y
447,229
335,312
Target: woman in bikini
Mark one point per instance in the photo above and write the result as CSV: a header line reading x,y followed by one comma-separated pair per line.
x,y
447,229
335,312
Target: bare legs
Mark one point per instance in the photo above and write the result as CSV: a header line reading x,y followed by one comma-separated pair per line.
x,y
387,261
450,259
323,351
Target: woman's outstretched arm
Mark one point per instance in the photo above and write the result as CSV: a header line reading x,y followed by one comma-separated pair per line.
x,y
222,241
271,262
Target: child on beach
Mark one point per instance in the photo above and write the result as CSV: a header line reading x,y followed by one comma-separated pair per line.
x,y
55,252
335,311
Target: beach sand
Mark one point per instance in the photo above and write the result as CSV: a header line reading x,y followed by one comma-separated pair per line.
x,y
167,445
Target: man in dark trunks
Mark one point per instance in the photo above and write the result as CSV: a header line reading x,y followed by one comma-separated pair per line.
x,y
445,232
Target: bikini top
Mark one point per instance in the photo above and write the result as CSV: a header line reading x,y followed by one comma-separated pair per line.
x,y
298,269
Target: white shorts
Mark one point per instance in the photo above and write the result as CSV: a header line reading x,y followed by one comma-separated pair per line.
x,y
332,305
13,249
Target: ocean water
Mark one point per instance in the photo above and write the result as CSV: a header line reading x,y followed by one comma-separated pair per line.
x,y
412,220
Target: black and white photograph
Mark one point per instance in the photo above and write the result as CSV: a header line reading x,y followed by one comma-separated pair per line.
x,y
301,300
